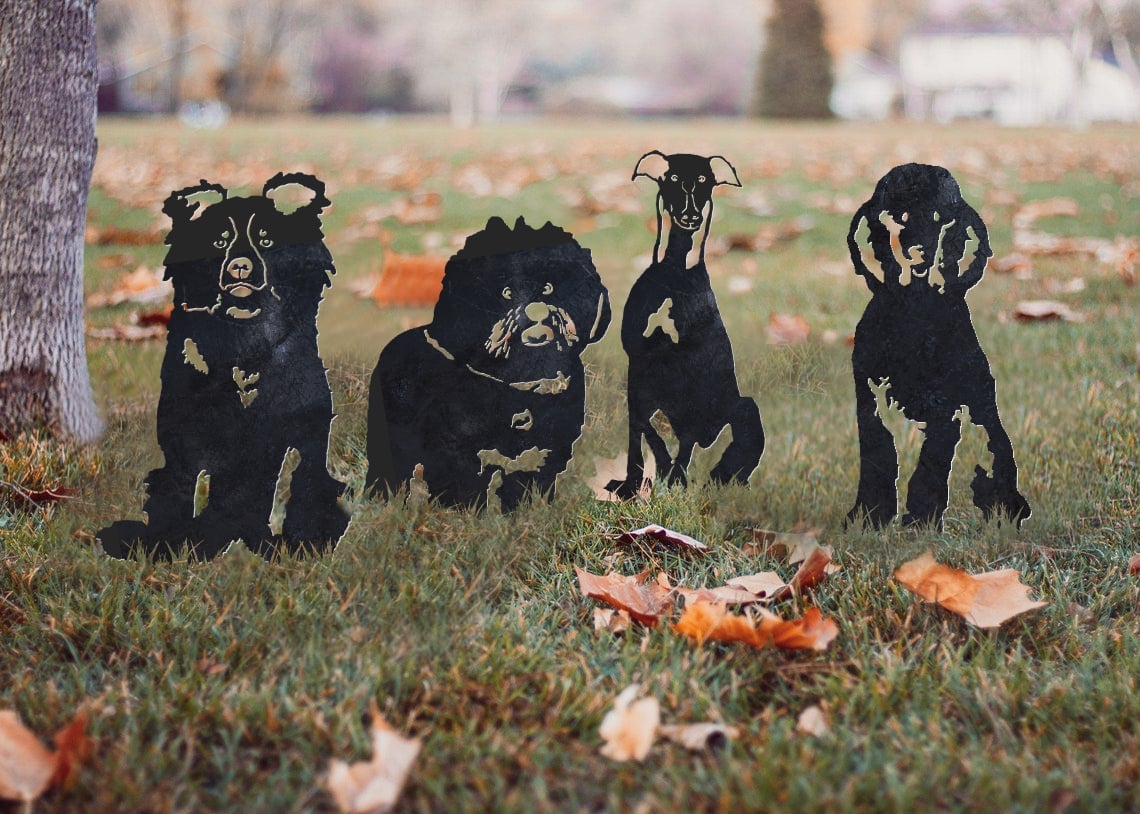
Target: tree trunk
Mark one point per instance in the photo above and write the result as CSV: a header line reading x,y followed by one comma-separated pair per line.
x,y
48,85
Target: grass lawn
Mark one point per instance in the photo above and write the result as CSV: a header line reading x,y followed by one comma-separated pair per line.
x,y
227,686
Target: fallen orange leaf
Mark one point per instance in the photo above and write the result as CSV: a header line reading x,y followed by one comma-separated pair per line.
x,y
644,600
984,600
787,329
705,621
141,285
27,768
372,786
1134,564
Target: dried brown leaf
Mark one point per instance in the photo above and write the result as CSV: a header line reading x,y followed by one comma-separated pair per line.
x,y
984,600
373,786
630,728
1045,310
662,534
645,600
812,721
1134,564
699,737
28,768
764,585
610,620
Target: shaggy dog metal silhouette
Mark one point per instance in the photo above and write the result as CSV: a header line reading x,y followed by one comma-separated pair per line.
x,y
489,397
919,246
245,408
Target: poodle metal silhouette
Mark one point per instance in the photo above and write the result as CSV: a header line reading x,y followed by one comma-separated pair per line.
x,y
680,357
245,408
919,246
489,397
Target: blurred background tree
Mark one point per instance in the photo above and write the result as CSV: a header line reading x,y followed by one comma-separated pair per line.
x,y
794,81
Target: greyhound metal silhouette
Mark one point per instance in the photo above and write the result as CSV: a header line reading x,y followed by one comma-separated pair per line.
x,y
920,247
680,357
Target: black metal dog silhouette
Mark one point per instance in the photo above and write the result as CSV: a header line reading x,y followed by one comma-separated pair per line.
x,y
244,391
680,358
489,397
920,247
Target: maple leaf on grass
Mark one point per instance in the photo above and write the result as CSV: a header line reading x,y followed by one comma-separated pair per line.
x,y
643,599
984,600
630,728
28,768
706,621
661,534
372,786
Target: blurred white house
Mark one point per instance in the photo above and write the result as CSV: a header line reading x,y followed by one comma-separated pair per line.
x,y
1013,78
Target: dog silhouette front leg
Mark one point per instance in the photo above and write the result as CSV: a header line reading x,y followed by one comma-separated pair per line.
x,y
999,490
877,498
639,427
742,456
929,487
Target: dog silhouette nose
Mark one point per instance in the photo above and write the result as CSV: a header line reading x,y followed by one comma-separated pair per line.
x,y
537,311
240,268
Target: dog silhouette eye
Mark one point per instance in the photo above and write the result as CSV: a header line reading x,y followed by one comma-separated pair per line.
x,y
672,177
221,242
265,243
548,288
507,293
701,179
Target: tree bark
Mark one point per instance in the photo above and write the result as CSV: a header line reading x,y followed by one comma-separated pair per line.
x,y
48,85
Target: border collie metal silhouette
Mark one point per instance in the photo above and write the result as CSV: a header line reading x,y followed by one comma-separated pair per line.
x,y
920,247
489,397
680,357
244,391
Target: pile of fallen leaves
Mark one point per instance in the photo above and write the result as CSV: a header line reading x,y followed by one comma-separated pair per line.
x,y
646,600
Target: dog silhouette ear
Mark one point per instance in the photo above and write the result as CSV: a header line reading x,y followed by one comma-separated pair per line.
x,y
723,172
306,193
860,244
181,209
653,164
972,264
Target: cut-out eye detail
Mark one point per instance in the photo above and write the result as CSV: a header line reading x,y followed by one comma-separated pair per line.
x,y
548,288
905,217
672,177
221,242
701,179
507,293
265,243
